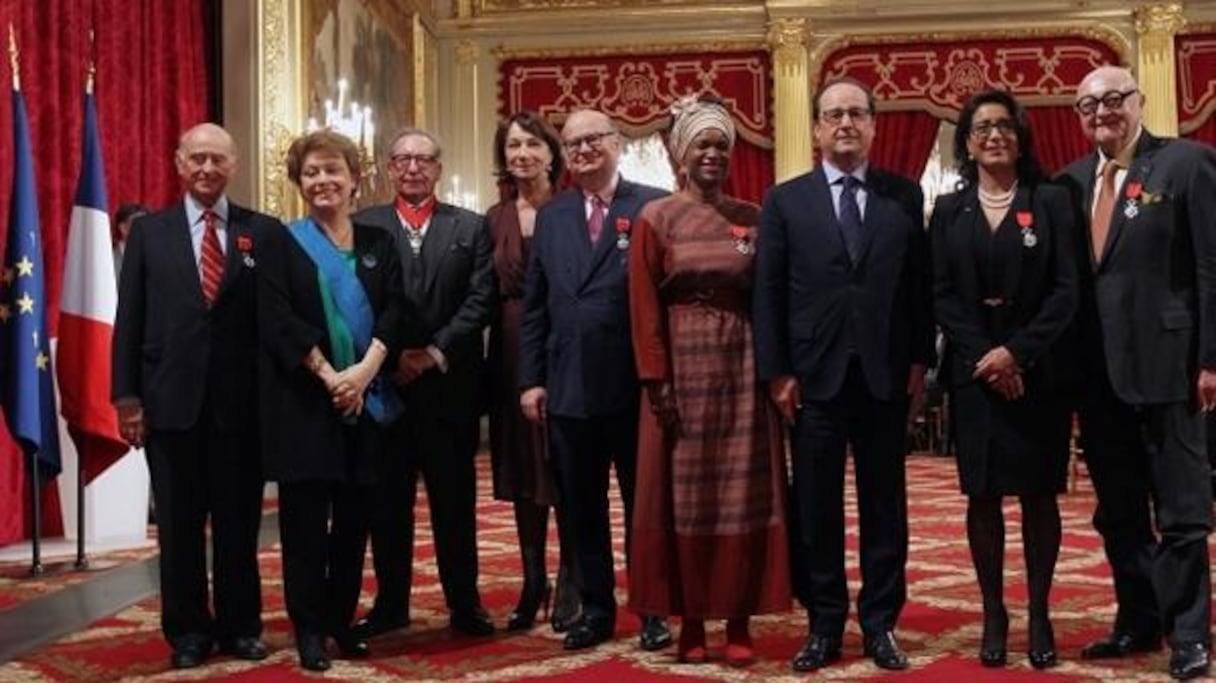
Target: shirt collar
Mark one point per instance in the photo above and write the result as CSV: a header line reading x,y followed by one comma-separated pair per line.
x,y
606,194
834,174
195,209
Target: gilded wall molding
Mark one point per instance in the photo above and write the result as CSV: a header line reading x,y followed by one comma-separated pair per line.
x,y
1159,18
788,39
496,6
504,53
276,123
467,52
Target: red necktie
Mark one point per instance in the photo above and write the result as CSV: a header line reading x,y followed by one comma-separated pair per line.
x,y
211,258
595,223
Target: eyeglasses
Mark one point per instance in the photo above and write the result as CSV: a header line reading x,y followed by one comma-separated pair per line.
x,y
1005,127
403,161
836,116
592,140
1113,100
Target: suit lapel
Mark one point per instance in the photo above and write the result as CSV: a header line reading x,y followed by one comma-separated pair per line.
x,y
876,207
622,208
1013,266
963,227
1088,178
233,260
179,229
1139,171
821,195
438,242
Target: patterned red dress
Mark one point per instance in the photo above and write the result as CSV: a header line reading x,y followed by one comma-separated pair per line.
x,y
709,530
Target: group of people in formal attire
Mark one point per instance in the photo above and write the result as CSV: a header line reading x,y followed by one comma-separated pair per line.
x,y
678,339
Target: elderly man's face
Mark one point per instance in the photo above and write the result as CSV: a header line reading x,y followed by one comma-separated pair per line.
x,y
206,159
414,167
592,146
1110,108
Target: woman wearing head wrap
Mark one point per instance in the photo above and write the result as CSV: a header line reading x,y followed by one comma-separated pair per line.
x,y
709,533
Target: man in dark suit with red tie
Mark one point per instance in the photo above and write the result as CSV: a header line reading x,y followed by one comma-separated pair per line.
x,y
1147,334
448,272
185,386
577,370
844,331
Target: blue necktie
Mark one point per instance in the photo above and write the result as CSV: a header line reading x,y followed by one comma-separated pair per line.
x,y
850,217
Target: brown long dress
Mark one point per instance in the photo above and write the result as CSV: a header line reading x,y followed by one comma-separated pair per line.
x,y
709,531
517,447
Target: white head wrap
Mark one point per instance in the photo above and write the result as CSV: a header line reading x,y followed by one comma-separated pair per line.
x,y
691,117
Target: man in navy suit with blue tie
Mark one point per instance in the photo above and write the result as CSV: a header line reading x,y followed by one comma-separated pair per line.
x,y
844,332
577,370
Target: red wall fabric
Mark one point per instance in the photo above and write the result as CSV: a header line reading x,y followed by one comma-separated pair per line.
x,y
1206,132
152,83
1058,140
751,171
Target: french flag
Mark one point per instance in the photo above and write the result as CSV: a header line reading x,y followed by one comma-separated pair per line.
x,y
86,314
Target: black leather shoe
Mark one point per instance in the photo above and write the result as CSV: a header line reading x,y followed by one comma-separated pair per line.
x,y
1191,660
655,634
817,652
311,648
472,622
249,648
190,651
1121,644
567,606
884,650
352,647
1042,653
376,623
587,633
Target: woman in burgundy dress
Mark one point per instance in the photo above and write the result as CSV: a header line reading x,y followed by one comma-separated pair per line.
x,y
527,155
709,531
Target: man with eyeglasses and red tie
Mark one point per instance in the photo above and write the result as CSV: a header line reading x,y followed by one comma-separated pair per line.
x,y
576,371
447,266
843,325
1147,335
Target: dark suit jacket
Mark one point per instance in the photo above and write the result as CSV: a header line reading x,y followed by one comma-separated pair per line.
x,y
1148,307
453,301
574,334
1040,281
302,431
812,303
171,351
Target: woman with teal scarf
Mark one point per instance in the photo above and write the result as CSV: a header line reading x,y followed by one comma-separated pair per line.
x,y
331,309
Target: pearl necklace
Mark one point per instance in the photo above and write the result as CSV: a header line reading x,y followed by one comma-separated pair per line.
x,y
1000,200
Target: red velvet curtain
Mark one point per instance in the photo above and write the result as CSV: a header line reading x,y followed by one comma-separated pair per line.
x,y
1206,132
903,142
752,170
152,83
1058,140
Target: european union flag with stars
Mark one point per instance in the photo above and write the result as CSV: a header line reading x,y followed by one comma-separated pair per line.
x,y
29,396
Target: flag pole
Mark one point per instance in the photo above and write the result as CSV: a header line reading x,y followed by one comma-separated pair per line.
x,y
36,568
82,560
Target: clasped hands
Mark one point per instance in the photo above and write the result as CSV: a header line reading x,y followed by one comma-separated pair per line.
x,y
1000,370
412,364
662,399
348,387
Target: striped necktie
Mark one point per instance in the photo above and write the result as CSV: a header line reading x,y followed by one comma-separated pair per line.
x,y
211,258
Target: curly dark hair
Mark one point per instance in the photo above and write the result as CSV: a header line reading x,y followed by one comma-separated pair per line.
x,y
533,123
1029,170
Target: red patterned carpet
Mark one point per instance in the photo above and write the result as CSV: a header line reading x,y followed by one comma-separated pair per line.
x,y
940,627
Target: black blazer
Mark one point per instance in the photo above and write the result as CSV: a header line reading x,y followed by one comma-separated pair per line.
x,y
1148,306
453,299
302,433
170,351
574,332
811,303
1040,281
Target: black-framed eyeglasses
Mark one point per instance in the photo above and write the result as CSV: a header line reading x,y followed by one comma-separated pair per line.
x,y
404,160
982,130
592,140
1112,100
836,116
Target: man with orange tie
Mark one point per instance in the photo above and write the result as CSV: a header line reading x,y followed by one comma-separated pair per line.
x,y
185,386
1147,335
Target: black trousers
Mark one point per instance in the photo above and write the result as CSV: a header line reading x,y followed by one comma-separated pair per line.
x,y
441,452
1150,462
583,450
324,527
204,474
821,436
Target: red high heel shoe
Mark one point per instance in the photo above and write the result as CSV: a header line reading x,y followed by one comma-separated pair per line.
x,y
739,651
691,647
